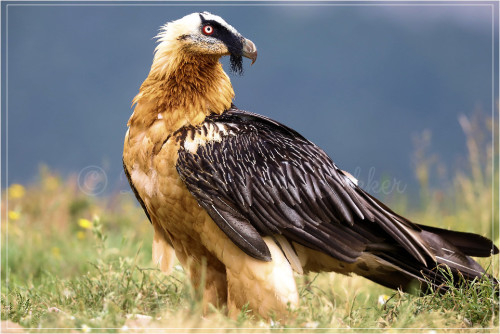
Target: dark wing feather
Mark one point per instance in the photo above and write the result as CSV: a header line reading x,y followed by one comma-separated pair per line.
x,y
237,228
264,178
468,243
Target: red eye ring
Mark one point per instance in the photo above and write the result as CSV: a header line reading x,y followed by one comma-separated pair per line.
x,y
208,29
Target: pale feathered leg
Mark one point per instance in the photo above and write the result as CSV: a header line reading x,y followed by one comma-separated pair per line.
x,y
207,275
265,286
214,286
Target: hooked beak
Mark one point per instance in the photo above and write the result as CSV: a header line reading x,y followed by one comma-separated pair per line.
x,y
249,50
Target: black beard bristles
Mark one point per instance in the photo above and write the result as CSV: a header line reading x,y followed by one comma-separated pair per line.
x,y
236,64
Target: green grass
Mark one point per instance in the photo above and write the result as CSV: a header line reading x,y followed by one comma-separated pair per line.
x,y
76,262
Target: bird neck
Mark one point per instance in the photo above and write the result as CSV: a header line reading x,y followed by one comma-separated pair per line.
x,y
182,89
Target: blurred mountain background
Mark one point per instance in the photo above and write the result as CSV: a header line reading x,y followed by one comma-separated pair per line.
x,y
360,81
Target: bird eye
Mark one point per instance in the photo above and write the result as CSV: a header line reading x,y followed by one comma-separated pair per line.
x,y
208,30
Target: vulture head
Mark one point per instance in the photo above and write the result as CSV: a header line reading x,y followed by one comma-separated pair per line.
x,y
202,35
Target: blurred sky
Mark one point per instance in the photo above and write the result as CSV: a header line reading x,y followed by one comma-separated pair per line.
x,y
359,80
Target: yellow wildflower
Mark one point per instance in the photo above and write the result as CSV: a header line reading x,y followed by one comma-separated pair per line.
x,y
80,235
85,223
16,191
14,215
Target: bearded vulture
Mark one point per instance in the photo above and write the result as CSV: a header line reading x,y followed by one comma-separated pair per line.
x,y
243,201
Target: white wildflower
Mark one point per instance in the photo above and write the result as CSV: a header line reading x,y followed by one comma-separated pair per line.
x,y
382,299
263,324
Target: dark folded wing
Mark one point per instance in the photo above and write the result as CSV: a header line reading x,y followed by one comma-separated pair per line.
x,y
262,179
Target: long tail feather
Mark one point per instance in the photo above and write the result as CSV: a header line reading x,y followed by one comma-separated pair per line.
x,y
395,268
